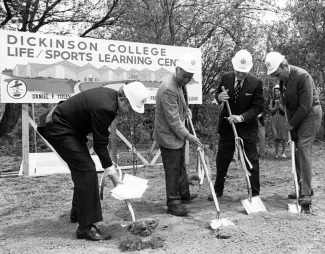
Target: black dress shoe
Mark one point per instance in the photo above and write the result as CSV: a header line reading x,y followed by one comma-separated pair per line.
x,y
86,233
305,209
177,210
304,200
210,198
294,196
188,200
73,215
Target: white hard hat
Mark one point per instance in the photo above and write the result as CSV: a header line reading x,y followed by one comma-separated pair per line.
x,y
137,95
188,63
242,61
272,61
277,86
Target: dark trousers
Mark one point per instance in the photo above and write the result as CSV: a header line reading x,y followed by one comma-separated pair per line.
x,y
177,186
83,172
225,154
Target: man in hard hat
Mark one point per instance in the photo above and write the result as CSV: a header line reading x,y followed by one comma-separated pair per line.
x,y
66,128
304,115
244,93
171,133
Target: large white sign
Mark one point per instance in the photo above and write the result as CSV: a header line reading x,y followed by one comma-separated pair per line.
x,y
39,68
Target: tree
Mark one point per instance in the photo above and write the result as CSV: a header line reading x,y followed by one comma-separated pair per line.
x,y
301,39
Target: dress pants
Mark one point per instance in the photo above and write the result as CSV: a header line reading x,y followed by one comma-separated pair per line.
x,y
305,138
83,172
261,138
177,186
225,154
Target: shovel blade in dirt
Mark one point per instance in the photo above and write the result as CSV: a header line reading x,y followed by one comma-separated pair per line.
x,y
225,222
254,206
294,208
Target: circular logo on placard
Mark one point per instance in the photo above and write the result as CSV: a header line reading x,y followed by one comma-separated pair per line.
x,y
193,62
16,89
268,64
243,61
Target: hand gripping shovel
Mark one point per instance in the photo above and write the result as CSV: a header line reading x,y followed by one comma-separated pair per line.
x,y
252,204
103,183
294,208
201,160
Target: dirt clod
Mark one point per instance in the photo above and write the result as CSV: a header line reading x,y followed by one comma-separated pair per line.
x,y
142,227
134,243
225,232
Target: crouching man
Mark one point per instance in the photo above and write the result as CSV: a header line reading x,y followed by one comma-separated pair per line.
x,y
66,128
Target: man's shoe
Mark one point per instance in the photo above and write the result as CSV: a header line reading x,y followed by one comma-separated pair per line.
x,y
294,196
95,235
73,215
177,210
210,198
304,200
306,209
188,200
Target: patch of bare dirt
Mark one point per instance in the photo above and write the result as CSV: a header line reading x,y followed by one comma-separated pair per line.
x,y
34,216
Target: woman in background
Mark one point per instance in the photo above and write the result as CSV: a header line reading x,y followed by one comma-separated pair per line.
x,y
277,122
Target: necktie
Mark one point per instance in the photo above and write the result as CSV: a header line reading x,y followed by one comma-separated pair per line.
x,y
284,88
184,92
237,90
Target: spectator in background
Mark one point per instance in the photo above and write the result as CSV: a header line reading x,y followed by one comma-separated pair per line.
x,y
280,135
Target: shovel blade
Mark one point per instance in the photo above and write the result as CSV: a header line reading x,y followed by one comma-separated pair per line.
x,y
255,206
294,208
216,223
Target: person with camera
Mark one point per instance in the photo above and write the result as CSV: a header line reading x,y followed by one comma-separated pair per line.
x,y
280,135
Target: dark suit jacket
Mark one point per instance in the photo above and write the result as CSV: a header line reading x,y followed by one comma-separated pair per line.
x,y
300,96
249,104
91,111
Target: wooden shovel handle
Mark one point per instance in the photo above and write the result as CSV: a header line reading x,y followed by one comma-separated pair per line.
x,y
230,114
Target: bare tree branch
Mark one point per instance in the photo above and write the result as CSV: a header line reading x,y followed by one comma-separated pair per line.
x,y
8,13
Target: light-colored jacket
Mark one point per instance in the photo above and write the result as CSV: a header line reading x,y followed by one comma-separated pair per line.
x,y
171,111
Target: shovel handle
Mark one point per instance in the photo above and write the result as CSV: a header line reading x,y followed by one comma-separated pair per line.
x,y
214,196
192,126
230,114
293,161
207,173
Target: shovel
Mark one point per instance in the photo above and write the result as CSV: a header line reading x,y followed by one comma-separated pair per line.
x,y
103,183
293,208
207,172
251,204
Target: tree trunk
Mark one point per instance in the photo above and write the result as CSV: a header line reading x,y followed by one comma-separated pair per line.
x,y
10,118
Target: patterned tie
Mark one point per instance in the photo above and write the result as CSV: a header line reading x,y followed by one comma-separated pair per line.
x,y
284,89
237,90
